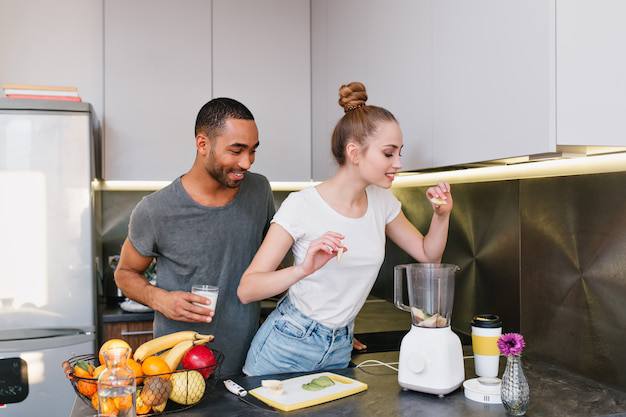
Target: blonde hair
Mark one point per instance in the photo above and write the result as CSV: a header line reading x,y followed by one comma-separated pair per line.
x,y
358,122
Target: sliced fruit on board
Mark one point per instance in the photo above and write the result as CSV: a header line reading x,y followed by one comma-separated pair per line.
x,y
318,384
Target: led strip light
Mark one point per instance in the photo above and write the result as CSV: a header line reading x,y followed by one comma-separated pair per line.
x,y
595,164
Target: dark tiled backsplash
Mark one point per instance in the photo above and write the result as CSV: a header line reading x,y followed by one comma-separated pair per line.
x,y
547,255
483,241
573,269
116,207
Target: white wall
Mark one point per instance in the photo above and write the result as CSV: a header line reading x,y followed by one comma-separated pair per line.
x,y
54,43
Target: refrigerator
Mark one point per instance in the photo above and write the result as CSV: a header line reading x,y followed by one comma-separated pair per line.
x,y
47,247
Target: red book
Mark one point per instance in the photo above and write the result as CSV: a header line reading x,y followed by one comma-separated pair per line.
x,y
43,97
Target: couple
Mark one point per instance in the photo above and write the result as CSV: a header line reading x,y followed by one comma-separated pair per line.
x,y
217,225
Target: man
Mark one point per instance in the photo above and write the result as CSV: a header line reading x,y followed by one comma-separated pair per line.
x,y
203,228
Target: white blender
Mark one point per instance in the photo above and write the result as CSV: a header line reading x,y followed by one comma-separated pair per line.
x,y
431,356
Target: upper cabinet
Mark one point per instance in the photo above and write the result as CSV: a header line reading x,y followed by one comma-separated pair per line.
x,y
591,72
157,75
521,78
387,46
164,59
474,81
492,78
468,81
261,57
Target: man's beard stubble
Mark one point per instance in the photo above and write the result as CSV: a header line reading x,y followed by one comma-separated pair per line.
x,y
219,173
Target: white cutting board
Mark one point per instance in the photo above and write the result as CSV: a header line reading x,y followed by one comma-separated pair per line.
x,y
295,397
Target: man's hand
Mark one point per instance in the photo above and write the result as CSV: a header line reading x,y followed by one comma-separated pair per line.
x,y
178,305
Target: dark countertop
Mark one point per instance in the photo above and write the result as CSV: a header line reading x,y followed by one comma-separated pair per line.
x,y
553,392
114,314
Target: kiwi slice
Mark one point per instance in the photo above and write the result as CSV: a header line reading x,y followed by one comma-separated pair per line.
x,y
318,384
311,387
323,381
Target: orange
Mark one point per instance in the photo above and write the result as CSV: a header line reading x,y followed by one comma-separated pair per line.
x,y
155,365
123,403
112,343
137,371
98,371
83,370
87,388
109,409
140,407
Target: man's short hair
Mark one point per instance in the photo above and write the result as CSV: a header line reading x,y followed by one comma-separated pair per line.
x,y
213,115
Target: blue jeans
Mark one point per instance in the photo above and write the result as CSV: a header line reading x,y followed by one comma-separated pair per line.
x,y
289,341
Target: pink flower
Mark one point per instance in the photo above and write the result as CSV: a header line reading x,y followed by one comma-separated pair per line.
x,y
511,344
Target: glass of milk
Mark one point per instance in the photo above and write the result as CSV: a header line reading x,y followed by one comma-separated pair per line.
x,y
207,291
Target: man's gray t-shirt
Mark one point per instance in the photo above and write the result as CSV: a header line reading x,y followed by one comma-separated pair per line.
x,y
196,244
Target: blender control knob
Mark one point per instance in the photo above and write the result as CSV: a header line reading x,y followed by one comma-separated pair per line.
x,y
417,363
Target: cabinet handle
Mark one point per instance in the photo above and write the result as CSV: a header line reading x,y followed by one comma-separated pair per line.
x,y
136,332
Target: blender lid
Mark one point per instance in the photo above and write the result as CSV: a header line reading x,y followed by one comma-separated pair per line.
x,y
488,321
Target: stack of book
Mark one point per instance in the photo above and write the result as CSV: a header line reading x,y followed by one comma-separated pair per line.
x,y
37,92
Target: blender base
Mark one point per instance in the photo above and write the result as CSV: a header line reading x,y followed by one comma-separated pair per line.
x,y
476,390
431,361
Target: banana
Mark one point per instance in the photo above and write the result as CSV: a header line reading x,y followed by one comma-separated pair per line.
x,y
165,352
175,354
438,201
166,342
275,386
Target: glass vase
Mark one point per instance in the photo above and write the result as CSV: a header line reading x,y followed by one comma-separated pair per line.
x,y
514,392
117,390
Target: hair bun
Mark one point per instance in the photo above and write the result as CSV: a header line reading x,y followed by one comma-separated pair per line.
x,y
352,96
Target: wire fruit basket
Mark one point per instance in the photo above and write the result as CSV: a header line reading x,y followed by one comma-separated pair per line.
x,y
156,394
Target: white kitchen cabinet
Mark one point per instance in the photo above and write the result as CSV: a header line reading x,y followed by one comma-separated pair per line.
x,y
386,45
53,43
157,75
261,57
522,78
493,79
591,72
474,81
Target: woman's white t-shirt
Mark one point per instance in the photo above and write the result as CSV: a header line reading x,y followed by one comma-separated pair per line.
x,y
334,294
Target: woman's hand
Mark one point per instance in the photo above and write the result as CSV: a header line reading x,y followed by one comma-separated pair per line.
x,y
358,345
440,197
320,252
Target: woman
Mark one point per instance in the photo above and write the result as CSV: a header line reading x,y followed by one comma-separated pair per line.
x,y
336,231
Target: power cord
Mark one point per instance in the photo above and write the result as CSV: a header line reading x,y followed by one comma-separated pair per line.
x,y
374,362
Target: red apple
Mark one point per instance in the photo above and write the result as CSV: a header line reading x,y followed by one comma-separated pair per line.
x,y
200,357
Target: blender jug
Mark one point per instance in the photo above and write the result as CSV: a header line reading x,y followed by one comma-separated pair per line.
x,y
430,288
